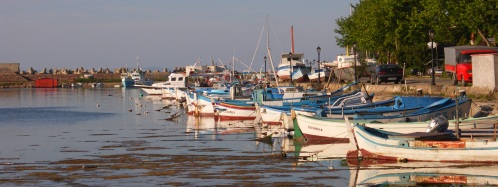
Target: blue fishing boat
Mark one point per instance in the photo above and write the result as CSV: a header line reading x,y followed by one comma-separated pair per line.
x,y
446,107
127,81
399,105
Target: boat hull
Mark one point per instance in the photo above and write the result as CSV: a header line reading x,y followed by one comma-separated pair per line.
x,y
376,147
127,82
345,73
199,106
316,129
226,111
314,76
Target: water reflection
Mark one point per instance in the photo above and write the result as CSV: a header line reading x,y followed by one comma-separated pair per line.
x,y
380,173
48,116
316,152
199,126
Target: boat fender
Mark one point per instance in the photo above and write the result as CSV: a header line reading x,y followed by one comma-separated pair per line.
x,y
403,143
403,160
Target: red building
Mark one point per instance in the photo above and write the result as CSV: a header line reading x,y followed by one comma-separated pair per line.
x,y
46,83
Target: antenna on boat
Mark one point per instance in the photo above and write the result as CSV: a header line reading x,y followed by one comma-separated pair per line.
x,y
138,60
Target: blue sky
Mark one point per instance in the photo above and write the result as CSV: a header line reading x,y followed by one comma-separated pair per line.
x,y
163,33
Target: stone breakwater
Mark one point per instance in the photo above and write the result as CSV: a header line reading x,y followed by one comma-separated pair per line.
x,y
14,80
81,70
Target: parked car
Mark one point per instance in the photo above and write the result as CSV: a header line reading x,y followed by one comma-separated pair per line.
x,y
387,73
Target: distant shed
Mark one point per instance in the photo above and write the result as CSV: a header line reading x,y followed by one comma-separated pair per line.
x,y
46,83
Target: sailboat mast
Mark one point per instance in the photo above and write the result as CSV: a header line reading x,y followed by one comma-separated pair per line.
x,y
232,78
292,39
268,49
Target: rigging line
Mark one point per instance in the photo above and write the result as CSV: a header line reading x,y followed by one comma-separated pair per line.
x,y
274,33
478,107
244,64
257,46
224,67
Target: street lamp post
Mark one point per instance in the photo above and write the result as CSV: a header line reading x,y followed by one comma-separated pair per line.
x,y
354,56
291,68
431,36
318,49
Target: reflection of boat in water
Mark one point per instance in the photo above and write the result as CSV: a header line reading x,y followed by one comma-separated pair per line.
x,y
367,173
201,126
209,126
332,160
315,152
236,126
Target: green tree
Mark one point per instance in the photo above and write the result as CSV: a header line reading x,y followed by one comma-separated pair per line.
x,y
398,30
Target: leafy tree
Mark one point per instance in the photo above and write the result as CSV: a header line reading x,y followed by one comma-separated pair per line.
x,y
398,30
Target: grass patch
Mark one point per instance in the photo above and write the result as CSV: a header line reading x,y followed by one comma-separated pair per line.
x,y
11,83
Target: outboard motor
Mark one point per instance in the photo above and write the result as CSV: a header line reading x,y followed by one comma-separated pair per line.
x,y
438,124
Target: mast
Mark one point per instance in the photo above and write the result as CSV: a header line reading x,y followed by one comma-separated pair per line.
x,y
268,49
232,78
138,60
292,39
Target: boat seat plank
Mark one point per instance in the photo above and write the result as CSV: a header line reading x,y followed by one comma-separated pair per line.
x,y
422,136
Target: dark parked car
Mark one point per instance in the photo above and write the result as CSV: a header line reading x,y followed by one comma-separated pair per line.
x,y
387,73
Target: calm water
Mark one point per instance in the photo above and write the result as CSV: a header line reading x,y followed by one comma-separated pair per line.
x,y
112,137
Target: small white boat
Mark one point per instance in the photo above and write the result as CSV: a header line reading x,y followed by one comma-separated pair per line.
x,y
174,87
323,73
421,146
326,130
287,65
97,85
77,85
199,105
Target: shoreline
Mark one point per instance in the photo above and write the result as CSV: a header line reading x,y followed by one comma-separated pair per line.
x,y
14,80
413,85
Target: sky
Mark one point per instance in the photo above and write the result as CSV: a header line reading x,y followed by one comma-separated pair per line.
x,y
164,33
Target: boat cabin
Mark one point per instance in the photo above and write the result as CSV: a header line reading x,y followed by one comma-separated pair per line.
x,y
177,79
